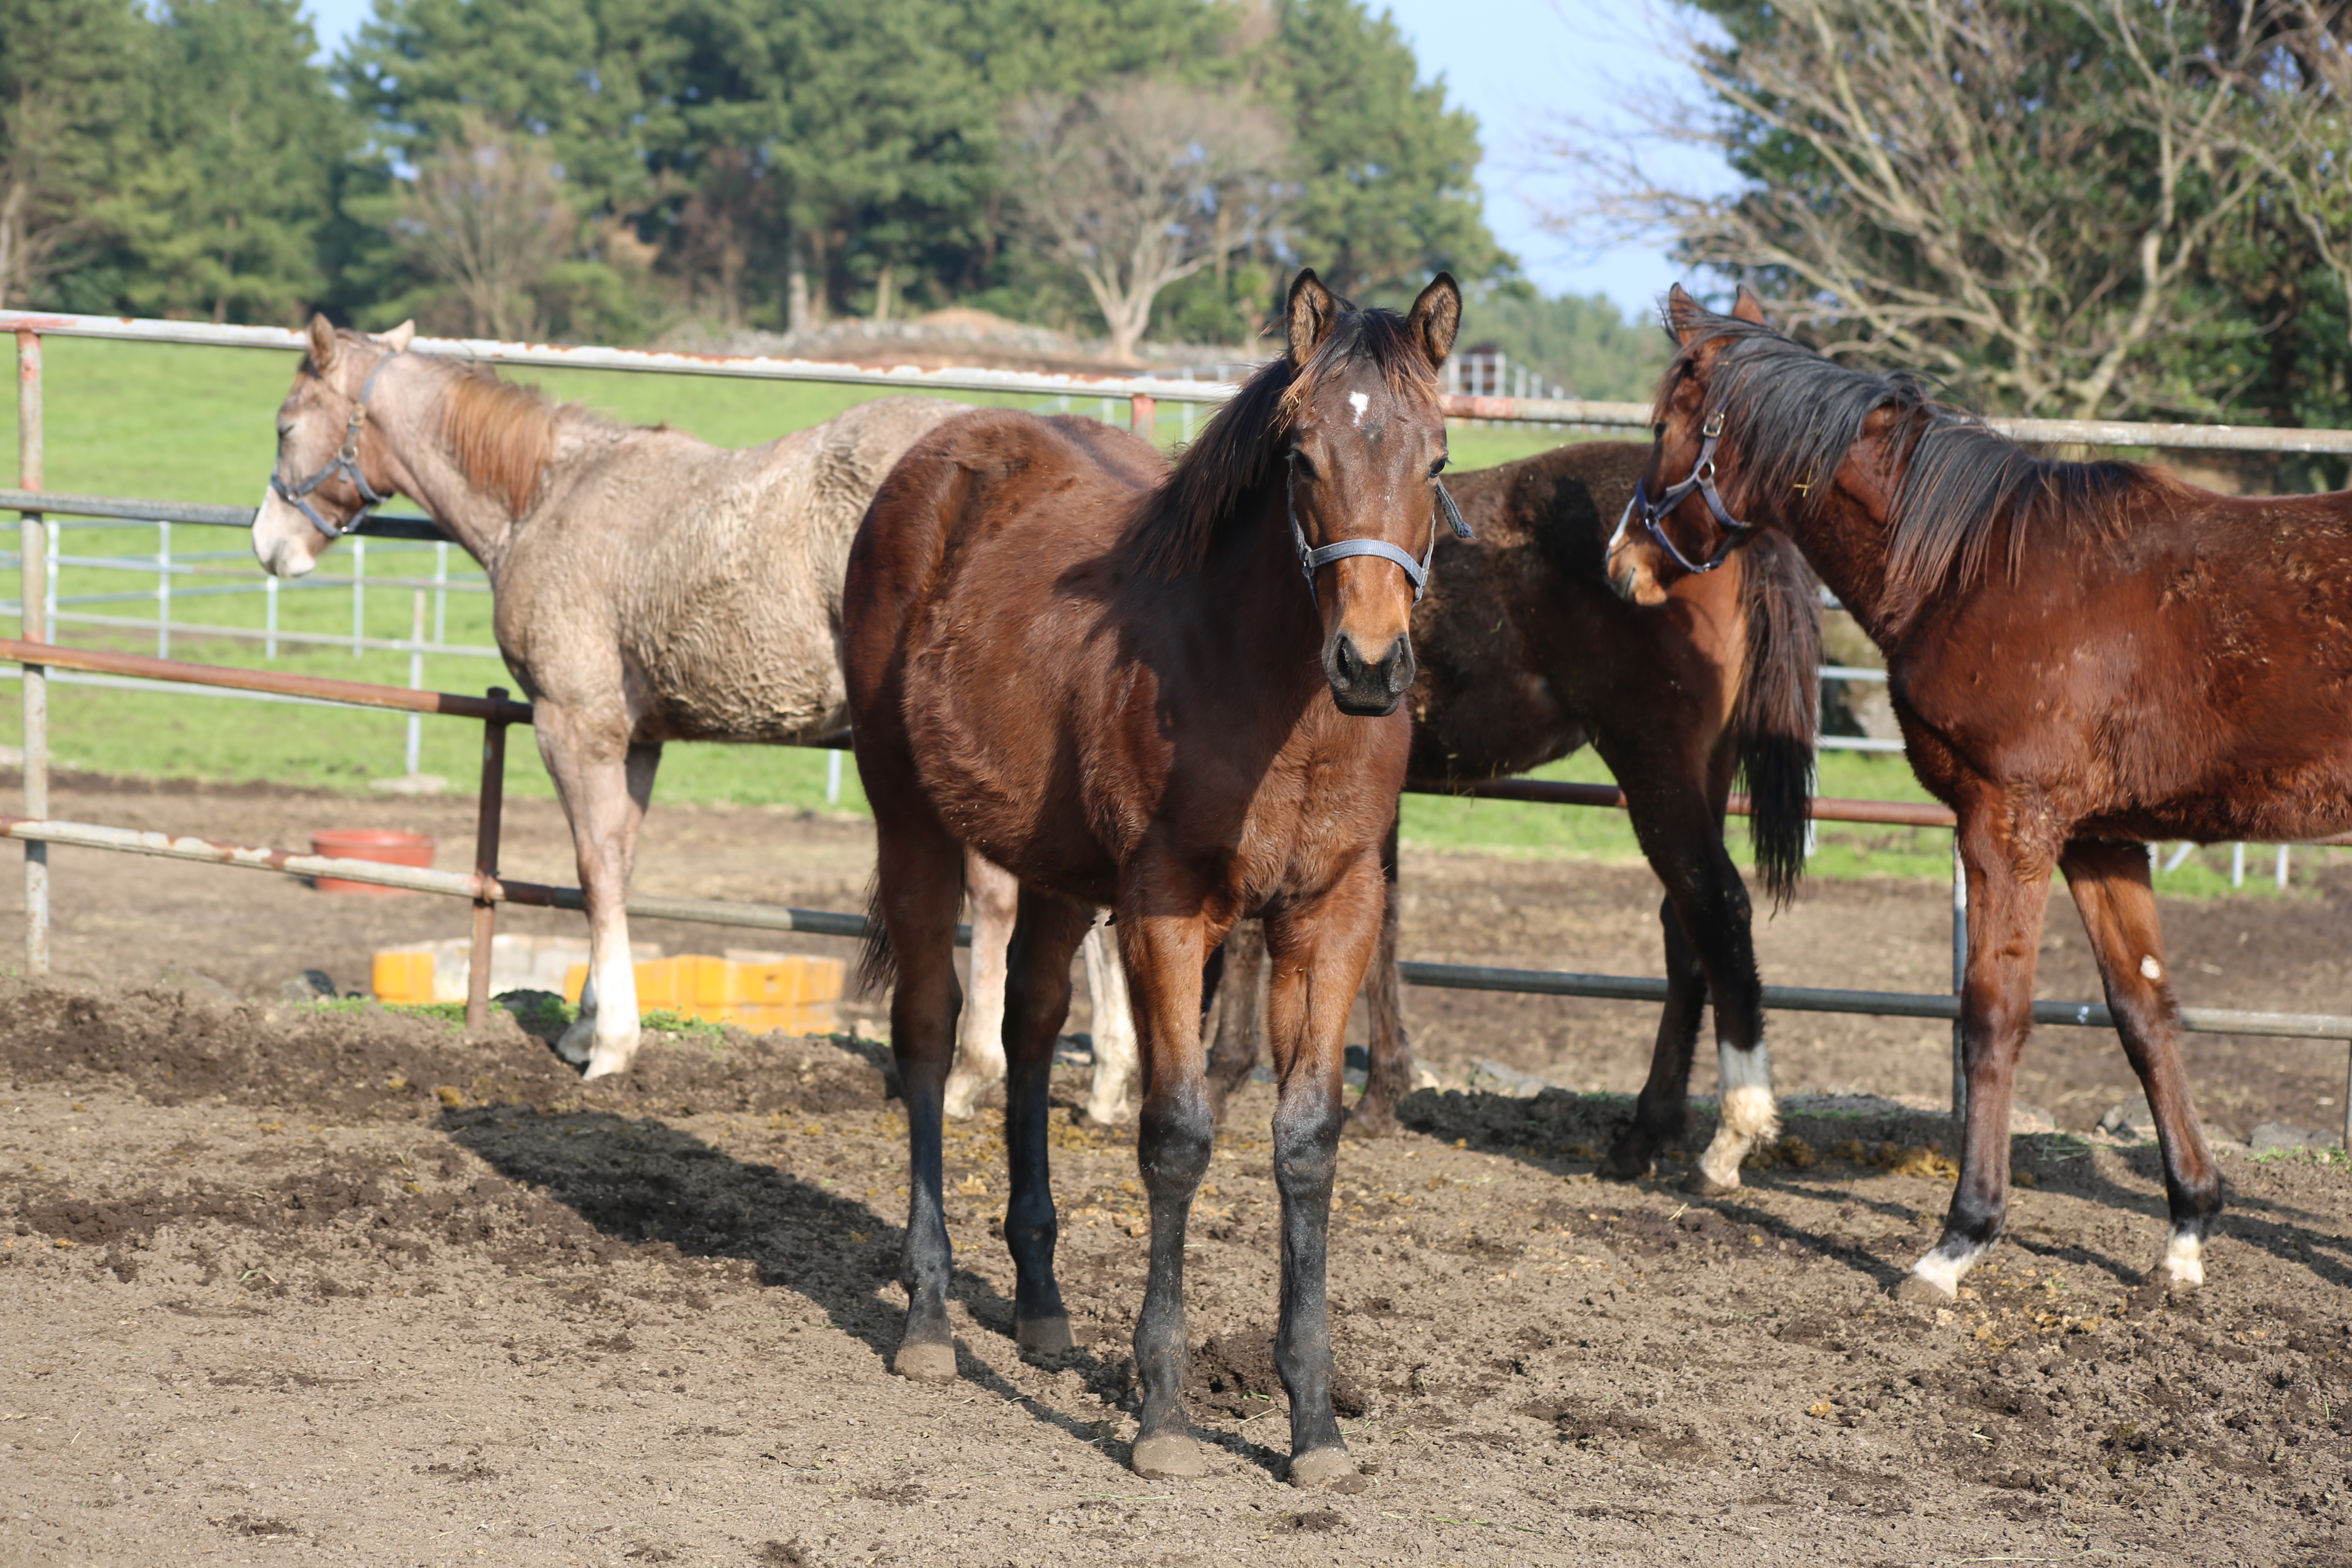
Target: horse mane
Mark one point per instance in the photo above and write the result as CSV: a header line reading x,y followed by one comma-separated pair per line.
x,y
499,434
1175,526
1794,414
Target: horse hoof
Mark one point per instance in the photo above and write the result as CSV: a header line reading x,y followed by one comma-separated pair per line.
x,y
1705,1186
1374,1121
608,1061
577,1045
1325,1467
1922,1291
1616,1169
1043,1336
925,1361
1169,1457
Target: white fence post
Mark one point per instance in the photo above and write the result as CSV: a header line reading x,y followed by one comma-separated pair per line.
x,y
269,617
359,592
33,543
441,594
415,678
164,591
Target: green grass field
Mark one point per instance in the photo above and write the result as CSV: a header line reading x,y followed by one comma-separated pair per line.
x,y
192,424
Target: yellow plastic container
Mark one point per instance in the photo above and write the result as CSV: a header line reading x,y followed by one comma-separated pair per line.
x,y
758,992
404,976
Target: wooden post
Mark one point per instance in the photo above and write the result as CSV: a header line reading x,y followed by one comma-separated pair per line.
x,y
489,806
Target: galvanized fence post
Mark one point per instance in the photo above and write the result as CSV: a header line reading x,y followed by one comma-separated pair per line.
x,y
488,805
415,682
33,580
359,592
1959,980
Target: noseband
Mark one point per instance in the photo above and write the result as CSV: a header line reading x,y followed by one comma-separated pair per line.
x,y
1702,479
346,463
1311,559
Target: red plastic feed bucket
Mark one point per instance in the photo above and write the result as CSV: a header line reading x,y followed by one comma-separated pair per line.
x,y
384,845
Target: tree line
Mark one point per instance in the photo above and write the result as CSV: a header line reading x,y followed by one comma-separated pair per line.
x,y
592,169
2064,208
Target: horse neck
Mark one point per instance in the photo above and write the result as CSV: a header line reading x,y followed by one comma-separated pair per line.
x,y
406,414
1845,541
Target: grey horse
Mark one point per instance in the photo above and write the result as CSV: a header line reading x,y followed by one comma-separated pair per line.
x,y
649,588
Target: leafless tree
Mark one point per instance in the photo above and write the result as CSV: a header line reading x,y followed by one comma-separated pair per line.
x,y
1141,183
488,216
2015,197
2296,63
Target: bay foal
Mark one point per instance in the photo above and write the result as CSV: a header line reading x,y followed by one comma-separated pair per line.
x,y
1111,678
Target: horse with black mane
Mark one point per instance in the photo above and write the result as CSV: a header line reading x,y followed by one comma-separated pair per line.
x,y
1526,655
2086,658
1176,692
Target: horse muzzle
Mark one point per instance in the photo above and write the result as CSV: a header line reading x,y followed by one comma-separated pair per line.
x,y
1368,688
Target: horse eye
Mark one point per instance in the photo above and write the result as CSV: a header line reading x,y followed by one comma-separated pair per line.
x,y
1658,431
1304,465
1437,467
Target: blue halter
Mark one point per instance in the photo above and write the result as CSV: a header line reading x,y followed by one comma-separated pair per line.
x,y
1311,559
346,463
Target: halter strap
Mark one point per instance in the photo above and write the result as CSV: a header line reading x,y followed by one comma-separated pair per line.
x,y
1702,479
346,463
1312,559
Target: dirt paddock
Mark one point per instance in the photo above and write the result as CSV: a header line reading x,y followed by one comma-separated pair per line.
x,y
285,1283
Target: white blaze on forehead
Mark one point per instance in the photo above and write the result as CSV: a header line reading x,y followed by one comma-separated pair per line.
x,y
1358,402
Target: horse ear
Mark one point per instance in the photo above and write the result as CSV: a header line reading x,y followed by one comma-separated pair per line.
x,y
324,345
1437,317
1312,312
1749,308
1682,315
399,338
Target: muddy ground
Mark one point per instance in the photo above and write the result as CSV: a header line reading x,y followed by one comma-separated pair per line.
x,y
280,1283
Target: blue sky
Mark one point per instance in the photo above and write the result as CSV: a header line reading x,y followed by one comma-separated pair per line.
x,y
1518,65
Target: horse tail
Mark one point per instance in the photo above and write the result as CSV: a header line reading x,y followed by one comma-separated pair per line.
x,y
1776,722
878,963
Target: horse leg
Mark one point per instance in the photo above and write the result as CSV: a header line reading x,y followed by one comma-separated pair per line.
x,y
2005,910
1174,1134
1710,955
1389,1075
1240,1012
1660,1111
1319,950
1114,1031
604,789
2109,882
995,898
918,878
1036,1003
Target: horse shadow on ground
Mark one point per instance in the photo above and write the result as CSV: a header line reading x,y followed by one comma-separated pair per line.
x,y
642,1181
1552,1131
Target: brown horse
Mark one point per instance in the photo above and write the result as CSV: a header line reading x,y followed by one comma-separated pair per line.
x,y
1526,655
2085,657
1109,678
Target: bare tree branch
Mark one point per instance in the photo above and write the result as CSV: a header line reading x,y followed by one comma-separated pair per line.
x,y
1142,183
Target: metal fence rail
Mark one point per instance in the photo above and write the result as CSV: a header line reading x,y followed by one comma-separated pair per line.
x,y
38,656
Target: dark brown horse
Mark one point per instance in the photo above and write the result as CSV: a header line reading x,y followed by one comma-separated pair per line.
x,y
2085,657
1112,679
1526,655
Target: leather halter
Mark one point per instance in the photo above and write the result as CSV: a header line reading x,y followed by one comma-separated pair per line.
x,y
1311,559
346,463
1702,479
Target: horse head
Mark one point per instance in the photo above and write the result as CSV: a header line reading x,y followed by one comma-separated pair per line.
x,y
1366,443
332,465
1684,524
